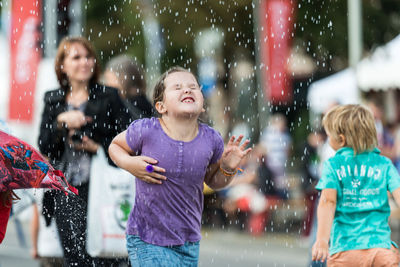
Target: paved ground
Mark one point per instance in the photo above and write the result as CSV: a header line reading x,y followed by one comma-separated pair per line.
x,y
218,248
222,248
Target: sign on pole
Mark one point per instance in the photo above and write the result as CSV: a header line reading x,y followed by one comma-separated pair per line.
x,y
25,57
276,19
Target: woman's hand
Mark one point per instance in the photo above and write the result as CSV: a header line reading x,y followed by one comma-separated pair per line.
x,y
234,153
87,144
73,119
139,168
320,251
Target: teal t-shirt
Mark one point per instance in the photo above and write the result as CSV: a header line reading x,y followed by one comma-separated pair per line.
x,y
362,206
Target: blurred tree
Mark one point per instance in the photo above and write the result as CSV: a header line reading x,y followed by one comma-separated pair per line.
x,y
115,27
320,27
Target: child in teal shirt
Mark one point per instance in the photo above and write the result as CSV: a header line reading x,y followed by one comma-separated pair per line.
x,y
354,208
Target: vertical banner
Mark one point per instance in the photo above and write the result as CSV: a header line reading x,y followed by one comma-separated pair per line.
x,y
25,57
276,22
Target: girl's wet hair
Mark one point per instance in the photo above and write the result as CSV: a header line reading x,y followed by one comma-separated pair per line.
x,y
159,88
356,123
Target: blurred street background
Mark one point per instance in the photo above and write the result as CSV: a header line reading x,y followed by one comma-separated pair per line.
x,y
218,248
269,69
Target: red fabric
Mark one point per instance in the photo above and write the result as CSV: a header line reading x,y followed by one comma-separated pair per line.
x,y
311,204
243,204
22,166
257,223
276,18
4,216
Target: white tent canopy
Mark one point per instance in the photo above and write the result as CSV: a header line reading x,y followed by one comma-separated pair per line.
x,y
380,71
340,88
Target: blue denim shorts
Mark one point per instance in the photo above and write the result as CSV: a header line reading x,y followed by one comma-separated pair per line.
x,y
142,254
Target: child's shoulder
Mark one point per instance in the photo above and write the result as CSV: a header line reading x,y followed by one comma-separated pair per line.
x,y
375,156
347,154
143,126
145,122
209,131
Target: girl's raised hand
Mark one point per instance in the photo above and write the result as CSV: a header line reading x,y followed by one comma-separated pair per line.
x,y
144,168
234,153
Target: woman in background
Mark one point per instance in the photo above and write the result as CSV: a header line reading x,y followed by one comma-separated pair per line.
x,y
77,119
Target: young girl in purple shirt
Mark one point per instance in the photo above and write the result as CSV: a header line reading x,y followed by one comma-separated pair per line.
x,y
172,156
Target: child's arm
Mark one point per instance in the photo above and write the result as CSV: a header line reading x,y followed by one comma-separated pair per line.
x,y
325,214
35,231
396,196
248,176
120,153
221,174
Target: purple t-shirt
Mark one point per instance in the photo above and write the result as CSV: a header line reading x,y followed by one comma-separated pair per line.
x,y
170,213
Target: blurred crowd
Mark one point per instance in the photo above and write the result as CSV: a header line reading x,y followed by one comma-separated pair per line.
x,y
267,183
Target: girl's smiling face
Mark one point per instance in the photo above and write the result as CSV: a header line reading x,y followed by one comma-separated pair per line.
x,y
182,95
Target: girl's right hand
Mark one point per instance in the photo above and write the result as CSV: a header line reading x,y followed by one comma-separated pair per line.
x,y
139,170
320,251
73,119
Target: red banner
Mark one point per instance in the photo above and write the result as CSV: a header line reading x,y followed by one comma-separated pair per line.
x,y
276,20
25,57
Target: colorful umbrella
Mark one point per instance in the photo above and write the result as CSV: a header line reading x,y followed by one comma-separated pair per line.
x,y
22,166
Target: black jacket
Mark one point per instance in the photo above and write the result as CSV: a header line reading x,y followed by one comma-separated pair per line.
x,y
109,114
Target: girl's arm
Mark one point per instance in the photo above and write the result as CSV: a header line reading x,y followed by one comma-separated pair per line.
x,y
248,176
35,231
121,154
325,215
221,174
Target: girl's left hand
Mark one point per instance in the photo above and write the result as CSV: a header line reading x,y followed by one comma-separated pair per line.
x,y
234,153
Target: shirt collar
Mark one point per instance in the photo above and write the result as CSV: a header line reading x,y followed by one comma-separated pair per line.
x,y
348,151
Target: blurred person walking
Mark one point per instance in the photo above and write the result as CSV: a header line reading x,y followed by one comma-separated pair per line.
x,y
77,119
386,141
252,193
277,144
171,157
46,246
124,73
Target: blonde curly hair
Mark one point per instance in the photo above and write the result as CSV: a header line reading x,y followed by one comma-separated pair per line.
x,y
356,123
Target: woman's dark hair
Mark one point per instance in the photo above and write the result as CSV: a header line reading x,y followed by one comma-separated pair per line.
x,y
63,48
